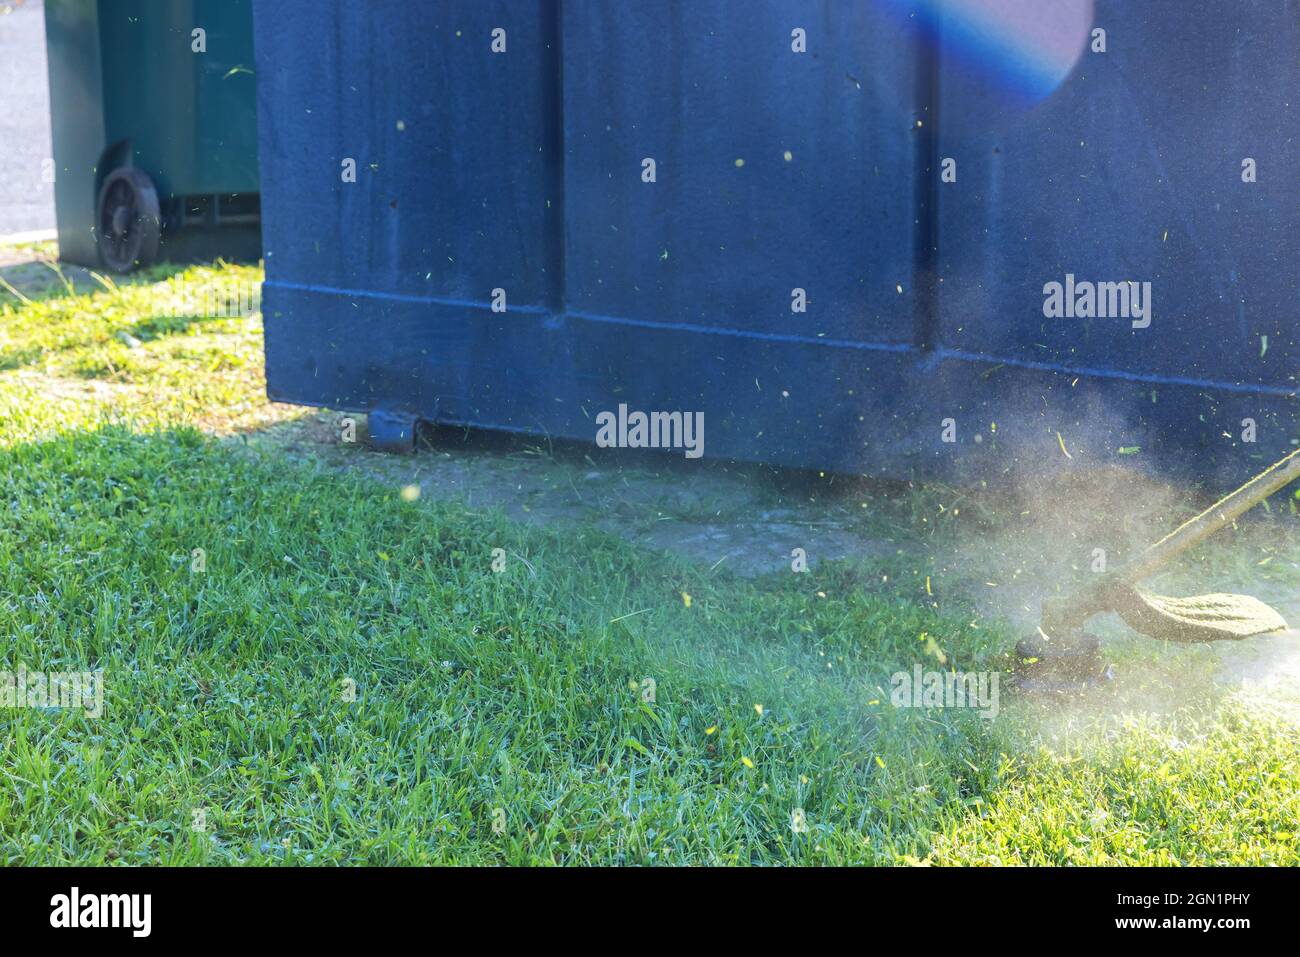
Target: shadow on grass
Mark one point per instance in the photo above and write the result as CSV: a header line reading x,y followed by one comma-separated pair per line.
x,y
43,278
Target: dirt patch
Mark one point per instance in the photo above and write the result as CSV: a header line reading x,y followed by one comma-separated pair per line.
x,y
34,271
989,556
716,514
57,388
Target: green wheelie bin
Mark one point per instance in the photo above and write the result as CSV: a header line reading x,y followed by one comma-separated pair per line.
x,y
154,122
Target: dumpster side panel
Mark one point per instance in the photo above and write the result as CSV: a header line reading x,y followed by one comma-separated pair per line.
x,y
1132,171
467,196
774,170
453,150
452,147
519,180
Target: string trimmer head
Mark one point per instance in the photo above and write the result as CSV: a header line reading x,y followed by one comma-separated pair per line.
x,y
1060,657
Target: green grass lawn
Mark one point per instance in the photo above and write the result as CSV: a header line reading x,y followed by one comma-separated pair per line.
x,y
589,703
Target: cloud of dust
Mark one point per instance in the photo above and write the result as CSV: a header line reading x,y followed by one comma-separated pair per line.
x,y
1062,520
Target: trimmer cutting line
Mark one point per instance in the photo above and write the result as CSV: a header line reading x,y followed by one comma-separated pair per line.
x,y
1062,657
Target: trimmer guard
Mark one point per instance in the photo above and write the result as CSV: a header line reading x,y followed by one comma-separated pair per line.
x,y
1198,618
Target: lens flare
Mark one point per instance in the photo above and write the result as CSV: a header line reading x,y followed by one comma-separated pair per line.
x,y
1022,48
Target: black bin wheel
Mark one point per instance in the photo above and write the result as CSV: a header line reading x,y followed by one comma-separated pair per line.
x,y
129,220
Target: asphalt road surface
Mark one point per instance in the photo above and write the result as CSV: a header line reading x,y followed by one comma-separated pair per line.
x,y
26,199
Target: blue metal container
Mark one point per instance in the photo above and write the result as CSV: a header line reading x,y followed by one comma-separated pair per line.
x,y
915,175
